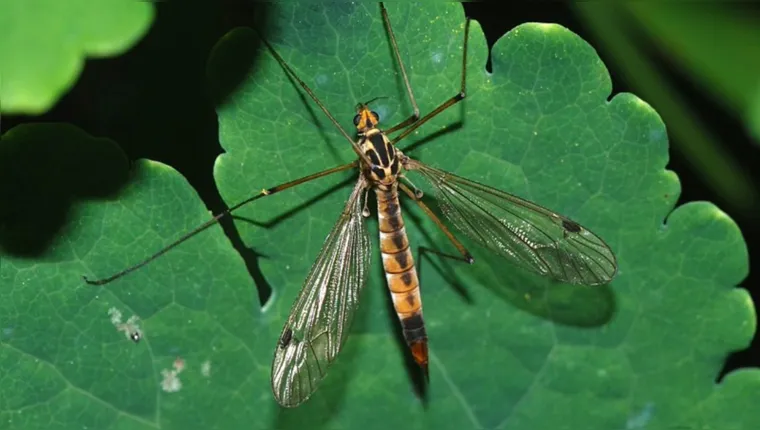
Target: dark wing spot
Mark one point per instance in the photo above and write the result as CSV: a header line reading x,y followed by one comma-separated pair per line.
x,y
286,338
571,226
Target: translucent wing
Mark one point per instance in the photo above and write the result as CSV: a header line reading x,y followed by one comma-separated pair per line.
x,y
525,233
321,317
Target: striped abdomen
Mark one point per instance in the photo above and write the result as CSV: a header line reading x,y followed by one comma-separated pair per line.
x,y
401,273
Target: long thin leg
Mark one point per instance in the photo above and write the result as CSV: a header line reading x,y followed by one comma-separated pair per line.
x,y
416,115
448,103
424,249
446,271
466,257
263,193
313,96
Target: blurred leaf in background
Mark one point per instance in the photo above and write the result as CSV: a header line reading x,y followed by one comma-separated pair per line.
x,y
755,116
716,42
716,46
43,45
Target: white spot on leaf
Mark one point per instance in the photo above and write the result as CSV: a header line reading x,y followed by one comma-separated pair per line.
x,y
641,419
131,328
170,381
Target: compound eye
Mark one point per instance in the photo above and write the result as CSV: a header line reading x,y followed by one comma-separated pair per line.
x,y
357,118
376,116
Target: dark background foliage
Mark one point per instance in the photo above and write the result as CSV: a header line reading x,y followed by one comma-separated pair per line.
x,y
155,103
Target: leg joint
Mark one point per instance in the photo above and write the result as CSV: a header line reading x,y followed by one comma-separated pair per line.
x,y
468,258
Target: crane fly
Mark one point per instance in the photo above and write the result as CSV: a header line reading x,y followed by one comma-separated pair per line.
x,y
524,233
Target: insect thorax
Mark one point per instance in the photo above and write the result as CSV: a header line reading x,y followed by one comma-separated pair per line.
x,y
384,161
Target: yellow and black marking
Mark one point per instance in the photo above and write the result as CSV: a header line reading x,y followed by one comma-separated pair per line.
x,y
398,263
400,272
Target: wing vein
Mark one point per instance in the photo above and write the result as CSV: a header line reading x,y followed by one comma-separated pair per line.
x,y
522,232
321,316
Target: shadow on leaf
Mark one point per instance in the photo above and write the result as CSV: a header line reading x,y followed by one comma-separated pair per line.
x,y
157,100
574,305
566,304
44,168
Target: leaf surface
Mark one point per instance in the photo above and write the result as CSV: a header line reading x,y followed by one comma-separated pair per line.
x,y
516,351
508,349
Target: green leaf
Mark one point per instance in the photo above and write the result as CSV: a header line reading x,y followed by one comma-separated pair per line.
x,y
43,45
508,349
65,364
754,116
518,352
44,167
700,147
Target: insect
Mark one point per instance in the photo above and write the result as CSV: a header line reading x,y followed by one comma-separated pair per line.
x,y
285,338
524,233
